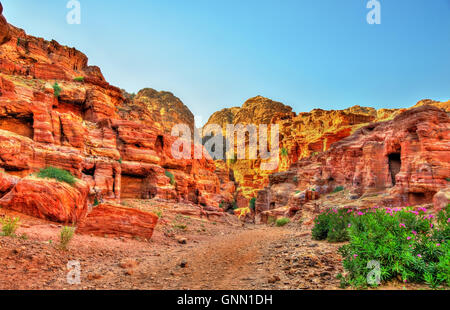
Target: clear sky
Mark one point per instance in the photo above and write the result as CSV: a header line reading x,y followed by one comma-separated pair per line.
x,y
214,54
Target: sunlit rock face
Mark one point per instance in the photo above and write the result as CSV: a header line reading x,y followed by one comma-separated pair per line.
x,y
301,135
56,110
405,158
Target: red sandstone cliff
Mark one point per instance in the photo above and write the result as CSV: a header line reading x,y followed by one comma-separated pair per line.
x,y
56,110
406,159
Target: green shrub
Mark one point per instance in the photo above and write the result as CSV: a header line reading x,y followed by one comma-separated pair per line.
x,y
332,225
57,90
282,221
252,204
120,160
284,152
65,236
447,179
171,177
235,206
338,189
295,179
58,174
9,225
96,202
79,79
408,245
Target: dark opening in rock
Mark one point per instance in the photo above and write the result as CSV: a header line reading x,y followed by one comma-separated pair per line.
x,y
395,165
159,144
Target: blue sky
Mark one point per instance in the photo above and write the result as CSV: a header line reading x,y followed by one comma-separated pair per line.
x,y
216,54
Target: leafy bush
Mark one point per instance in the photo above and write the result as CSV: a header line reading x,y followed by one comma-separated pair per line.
x,y
58,174
57,90
120,160
252,204
332,225
171,177
282,221
65,236
96,202
409,245
447,179
284,152
338,189
79,79
9,225
235,206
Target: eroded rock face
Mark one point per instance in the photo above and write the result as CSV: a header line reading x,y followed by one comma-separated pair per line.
x,y
4,27
162,108
114,220
87,126
406,157
46,199
300,135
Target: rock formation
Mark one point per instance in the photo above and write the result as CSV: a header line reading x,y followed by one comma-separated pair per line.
x,y
405,158
301,135
56,110
113,220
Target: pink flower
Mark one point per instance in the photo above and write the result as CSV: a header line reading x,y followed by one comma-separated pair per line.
x,y
355,256
419,256
405,281
409,238
402,225
414,232
448,220
438,244
349,225
431,225
360,213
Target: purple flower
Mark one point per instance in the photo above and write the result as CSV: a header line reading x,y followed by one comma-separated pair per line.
x,y
419,256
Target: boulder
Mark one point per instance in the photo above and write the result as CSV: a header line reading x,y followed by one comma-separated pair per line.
x,y
48,199
115,220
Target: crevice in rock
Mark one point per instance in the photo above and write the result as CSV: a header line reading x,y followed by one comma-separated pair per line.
x,y
395,165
